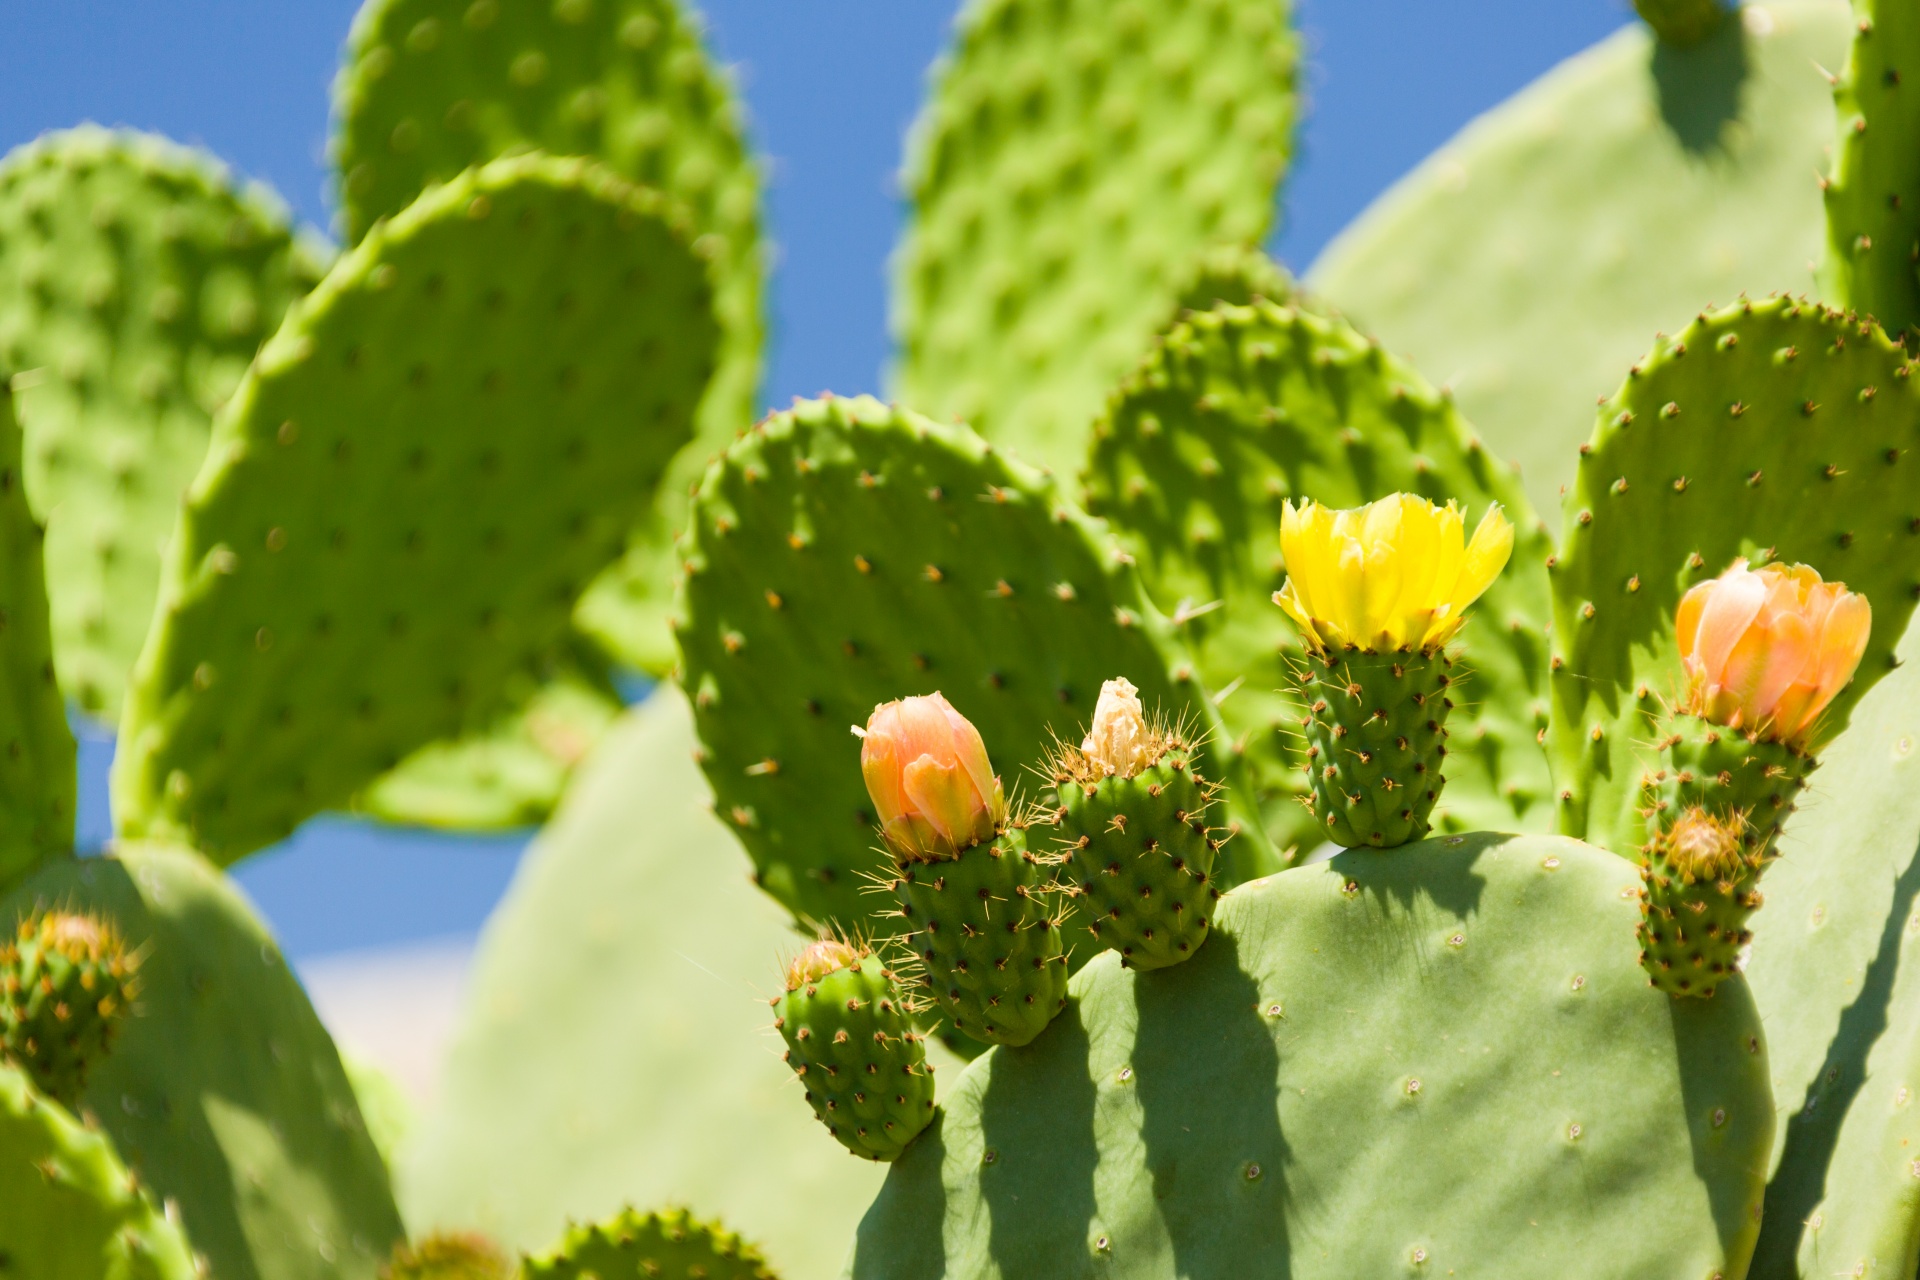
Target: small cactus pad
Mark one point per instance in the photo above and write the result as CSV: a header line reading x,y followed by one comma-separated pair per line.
x,y
1527,261
845,554
137,279
510,769
1376,742
1236,274
1239,409
983,929
1461,1021
224,1095
433,86
551,1110
670,1245
36,746
851,1042
1873,195
1140,856
411,487
452,1255
1775,427
1069,168
69,1210
66,981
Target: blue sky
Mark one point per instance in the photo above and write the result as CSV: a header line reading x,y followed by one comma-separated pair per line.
x,y
831,86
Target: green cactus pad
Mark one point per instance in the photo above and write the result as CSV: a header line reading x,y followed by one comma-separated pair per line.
x,y
1236,274
864,1068
1773,426
1873,196
1438,1058
1141,856
983,928
846,554
509,770
449,1256
1239,409
137,279
66,981
433,86
224,1093
68,1208
1528,261
36,746
671,1245
401,503
1376,742
1729,775
635,898
1069,169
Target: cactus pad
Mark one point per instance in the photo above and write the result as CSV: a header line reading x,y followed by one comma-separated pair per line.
x,y
433,86
137,279
36,746
1459,1020
851,1042
1528,260
224,1094
408,492
634,1246
1777,427
1069,169
845,554
1376,735
1873,196
1141,856
1240,408
68,1207
66,981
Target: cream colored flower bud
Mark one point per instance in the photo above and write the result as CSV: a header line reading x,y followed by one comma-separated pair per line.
x,y
1120,741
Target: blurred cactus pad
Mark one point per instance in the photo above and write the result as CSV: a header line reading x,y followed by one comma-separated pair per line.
x,y
394,525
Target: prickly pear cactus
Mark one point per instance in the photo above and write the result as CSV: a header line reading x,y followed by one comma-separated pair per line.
x,y
224,1094
1070,167
672,1245
350,573
1777,427
68,1207
1240,408
433,86
1614,197
66,981
1873,194
36,747
845,554
1461,1020
1376,740
137,279
449,1256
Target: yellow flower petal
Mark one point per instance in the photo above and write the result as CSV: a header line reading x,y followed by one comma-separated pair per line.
x,y
1485,557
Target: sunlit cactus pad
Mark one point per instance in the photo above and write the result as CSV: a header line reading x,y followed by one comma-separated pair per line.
x,y
69,1210
1438,1059
1776,427
402,502
1239,409
1072,163
845,554
1873,196
433,86
137,279
222,1091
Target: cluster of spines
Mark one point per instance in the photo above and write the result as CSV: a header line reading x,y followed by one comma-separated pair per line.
x,y
66,981
1376,732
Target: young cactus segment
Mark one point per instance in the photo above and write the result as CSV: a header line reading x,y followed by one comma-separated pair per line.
x,y
851,1042
1133,816
1873,195
449,1256
1775,426
1065,175
444,442
1376,593
65,983
669,1245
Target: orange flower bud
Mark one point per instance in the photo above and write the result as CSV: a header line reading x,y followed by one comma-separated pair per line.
x,y
1767,649
932,785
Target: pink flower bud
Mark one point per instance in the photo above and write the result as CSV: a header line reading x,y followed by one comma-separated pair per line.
x,y
1767,649
932,785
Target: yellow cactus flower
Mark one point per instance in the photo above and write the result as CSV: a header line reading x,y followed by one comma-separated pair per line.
x,y
1395,574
